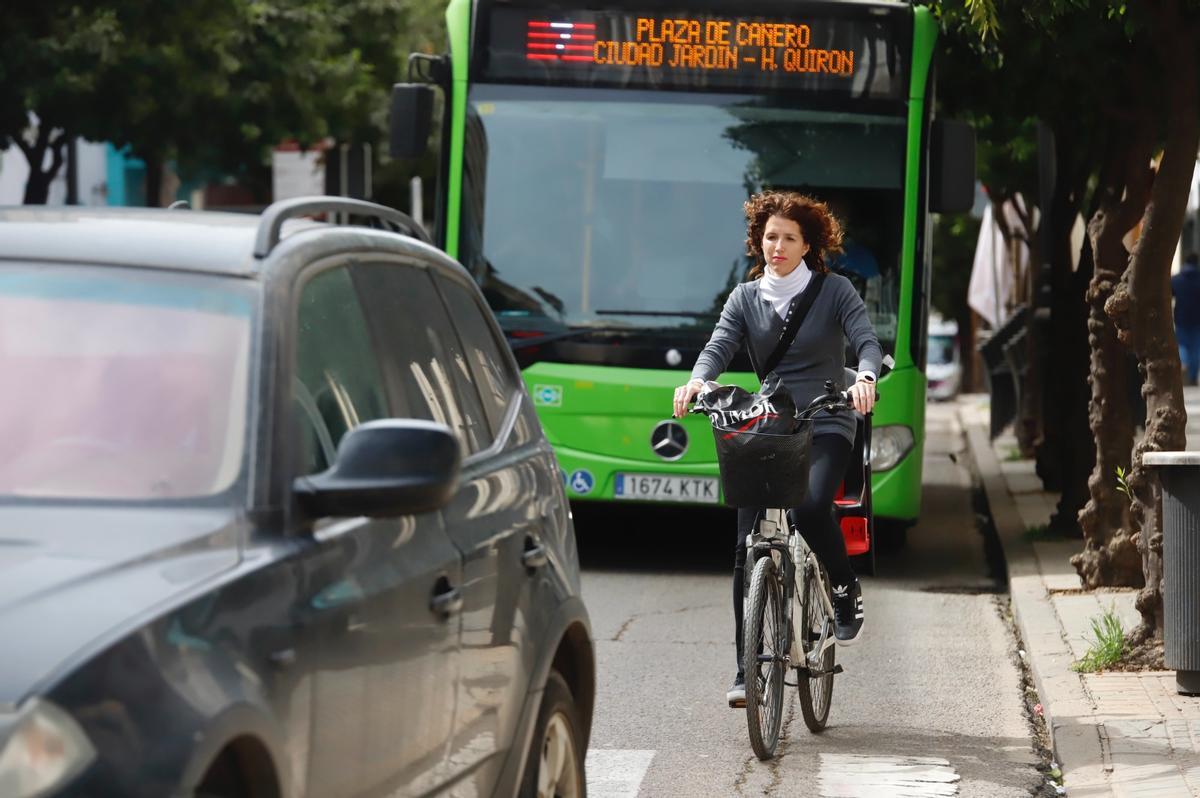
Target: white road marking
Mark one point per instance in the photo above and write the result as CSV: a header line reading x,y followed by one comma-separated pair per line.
x,y
616,773
860,776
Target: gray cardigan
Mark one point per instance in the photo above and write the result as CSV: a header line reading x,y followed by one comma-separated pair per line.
x,y
817,354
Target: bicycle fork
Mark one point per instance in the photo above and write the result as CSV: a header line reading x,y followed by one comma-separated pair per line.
x,y
815,583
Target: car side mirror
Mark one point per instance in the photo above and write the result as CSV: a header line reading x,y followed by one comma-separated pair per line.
x,y
952,166
384,469
410,119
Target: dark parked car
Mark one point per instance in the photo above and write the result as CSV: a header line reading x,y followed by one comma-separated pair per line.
x,y
276,517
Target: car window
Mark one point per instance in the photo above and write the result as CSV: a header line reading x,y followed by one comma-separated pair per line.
x,y
338,384
122,384
490,368
425,360
941,349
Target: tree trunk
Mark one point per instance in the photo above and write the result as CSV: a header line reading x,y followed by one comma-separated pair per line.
x,y
154,178
1065,453
1110,555
1141,305
1030,416
1070,351
1017,233
37,185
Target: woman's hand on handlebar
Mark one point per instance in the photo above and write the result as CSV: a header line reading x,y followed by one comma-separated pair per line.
x,y
862,396
684,395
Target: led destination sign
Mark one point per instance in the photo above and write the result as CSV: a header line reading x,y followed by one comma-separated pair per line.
x,y
691,44
851,55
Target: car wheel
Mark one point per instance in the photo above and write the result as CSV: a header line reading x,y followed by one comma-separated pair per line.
x,y
555,765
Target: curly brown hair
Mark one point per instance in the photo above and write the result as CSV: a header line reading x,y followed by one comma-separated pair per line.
x,y
820,228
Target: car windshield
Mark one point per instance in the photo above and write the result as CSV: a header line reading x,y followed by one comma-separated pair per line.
x,y
121,384
619,208
941,349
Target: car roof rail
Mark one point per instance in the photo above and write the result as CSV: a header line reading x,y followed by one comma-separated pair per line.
x,y
273,217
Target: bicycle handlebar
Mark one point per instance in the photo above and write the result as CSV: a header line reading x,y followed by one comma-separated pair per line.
x,y
833,401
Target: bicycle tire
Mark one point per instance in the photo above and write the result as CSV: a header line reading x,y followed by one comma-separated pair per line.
x,y
766,624
816,693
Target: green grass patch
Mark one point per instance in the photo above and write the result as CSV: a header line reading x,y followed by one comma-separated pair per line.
x,y
1106,647
1013,454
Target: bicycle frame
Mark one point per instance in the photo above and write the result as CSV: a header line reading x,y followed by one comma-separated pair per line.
x,y
790,549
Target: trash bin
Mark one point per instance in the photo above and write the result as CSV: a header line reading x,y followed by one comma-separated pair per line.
x,y
1179,475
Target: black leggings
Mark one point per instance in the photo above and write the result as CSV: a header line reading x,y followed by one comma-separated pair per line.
x,y
827,467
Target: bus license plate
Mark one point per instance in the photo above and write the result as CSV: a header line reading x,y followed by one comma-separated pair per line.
x,y
664,488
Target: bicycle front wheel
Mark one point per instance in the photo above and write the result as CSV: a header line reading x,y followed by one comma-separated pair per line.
x,y
816,642
765,645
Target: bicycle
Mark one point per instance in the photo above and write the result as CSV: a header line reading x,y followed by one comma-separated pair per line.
x,y
786,573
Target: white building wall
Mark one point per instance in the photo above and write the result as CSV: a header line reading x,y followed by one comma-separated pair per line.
x,y
13,172
91,165
92,172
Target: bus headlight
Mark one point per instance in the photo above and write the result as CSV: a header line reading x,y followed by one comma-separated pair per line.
x,y
889,445
44,750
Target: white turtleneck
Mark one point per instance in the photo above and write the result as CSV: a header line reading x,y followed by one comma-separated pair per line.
x,y
780,291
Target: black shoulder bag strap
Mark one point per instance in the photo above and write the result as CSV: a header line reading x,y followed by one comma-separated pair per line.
x,y
796,314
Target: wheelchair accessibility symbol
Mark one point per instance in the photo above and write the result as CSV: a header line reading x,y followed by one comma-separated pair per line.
x,y
548,395
582,482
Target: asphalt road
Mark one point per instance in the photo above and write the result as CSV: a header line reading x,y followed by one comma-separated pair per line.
x,y
930,698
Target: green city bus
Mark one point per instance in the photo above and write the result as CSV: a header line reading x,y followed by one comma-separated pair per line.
x,y
594,162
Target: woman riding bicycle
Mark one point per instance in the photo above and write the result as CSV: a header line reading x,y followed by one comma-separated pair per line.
x,y
789,236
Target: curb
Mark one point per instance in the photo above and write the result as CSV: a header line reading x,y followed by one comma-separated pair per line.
x,y
1068,712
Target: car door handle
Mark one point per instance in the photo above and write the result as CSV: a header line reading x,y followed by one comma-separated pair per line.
x,y
447,602
534,556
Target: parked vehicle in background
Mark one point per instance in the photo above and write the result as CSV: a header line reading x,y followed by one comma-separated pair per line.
x,y
944,365
276,517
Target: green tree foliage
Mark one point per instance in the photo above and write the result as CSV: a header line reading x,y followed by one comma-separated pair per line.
x,y
1122,81
208,84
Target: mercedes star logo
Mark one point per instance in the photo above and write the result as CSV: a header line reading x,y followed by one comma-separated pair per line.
x,y
669,440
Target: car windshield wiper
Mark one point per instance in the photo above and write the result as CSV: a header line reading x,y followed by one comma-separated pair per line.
x,y
688,314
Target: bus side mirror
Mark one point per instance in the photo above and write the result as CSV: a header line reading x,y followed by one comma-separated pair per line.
x,y
410,119
952,166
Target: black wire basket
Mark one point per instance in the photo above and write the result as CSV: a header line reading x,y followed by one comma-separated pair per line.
x,y
761,469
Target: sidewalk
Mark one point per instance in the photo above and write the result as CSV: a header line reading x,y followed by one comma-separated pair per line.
x,y
1113,734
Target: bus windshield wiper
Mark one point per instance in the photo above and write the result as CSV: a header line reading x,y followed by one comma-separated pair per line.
x,y
689,314
575,332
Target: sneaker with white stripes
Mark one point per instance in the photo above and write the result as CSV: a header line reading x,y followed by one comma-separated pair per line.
x,y
736,696
847,613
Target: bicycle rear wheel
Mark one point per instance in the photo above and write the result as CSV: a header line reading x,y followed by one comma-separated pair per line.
x,y
814,627
764,647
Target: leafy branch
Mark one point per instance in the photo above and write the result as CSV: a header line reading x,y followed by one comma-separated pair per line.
x,y
1123,484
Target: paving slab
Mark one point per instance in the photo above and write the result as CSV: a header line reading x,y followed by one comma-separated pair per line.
x,y
1115,733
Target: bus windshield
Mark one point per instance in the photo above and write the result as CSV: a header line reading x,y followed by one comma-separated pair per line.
x,y
609,208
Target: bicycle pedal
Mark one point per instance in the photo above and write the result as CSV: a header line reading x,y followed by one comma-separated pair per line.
x,y
810,673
